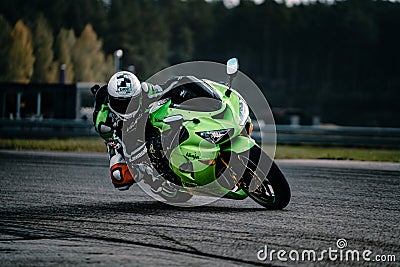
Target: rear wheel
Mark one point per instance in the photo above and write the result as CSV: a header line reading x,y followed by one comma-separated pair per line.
x,y
262,179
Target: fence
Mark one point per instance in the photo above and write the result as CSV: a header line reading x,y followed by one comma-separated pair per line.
x,y
335,136
286,134
46,128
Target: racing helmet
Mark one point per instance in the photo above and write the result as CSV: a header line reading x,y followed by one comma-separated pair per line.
x,y
124,87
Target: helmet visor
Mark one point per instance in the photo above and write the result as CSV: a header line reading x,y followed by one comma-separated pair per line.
x,y
120,105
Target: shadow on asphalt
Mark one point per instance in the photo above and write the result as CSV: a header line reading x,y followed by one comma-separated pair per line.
x,y
155,206
114,208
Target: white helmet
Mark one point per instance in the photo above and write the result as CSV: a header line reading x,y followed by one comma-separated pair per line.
x,y
123,88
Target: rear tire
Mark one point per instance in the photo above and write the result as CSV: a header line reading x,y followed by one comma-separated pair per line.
x,y
271,191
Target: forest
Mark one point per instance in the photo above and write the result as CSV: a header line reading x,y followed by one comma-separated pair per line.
x,y
338,61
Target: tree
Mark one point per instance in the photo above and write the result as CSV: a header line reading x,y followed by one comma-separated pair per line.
x,y
45,69
340,54
88,57
182,46
181,42
126,34
21,58
65,42
5,45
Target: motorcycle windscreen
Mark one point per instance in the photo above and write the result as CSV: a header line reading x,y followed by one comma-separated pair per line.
x,y
194,95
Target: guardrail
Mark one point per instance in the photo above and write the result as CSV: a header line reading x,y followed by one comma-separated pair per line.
x,y
335,136
45,128
286,134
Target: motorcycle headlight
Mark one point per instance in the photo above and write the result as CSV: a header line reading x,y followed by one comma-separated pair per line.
x,y
243,111
217,136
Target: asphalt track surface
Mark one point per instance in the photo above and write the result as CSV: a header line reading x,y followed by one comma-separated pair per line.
x,y
60,209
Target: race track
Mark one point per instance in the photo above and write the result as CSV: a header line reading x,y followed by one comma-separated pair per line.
x,y
60,209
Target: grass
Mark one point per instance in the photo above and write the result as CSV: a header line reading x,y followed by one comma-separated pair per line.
x,y
89,144
93,144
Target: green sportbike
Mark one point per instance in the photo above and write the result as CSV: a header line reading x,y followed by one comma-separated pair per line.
x,y
198,140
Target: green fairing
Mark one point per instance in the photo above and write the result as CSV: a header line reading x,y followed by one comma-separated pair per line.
x,y
157,116
195,148
240,145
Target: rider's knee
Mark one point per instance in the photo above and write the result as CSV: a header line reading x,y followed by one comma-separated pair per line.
x,y
121,176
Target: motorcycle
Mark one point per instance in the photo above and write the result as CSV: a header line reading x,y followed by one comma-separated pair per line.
x,y
198,139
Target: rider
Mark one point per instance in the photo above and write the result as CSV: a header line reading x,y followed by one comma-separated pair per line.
x,y
110,111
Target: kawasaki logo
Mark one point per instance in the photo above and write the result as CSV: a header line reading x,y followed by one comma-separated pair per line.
x,y
193,156
217,135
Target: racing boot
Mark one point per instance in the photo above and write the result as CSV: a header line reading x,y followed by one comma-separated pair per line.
x,y
121,177
157,183
146,173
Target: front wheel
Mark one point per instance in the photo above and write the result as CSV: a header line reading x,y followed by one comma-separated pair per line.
x,y
262,179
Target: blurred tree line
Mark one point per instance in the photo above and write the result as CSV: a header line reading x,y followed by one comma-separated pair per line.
x,y
340,61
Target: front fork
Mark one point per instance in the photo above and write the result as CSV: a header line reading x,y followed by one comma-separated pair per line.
x,y
231,162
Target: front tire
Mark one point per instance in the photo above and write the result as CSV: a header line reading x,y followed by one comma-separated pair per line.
x,y
263,181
